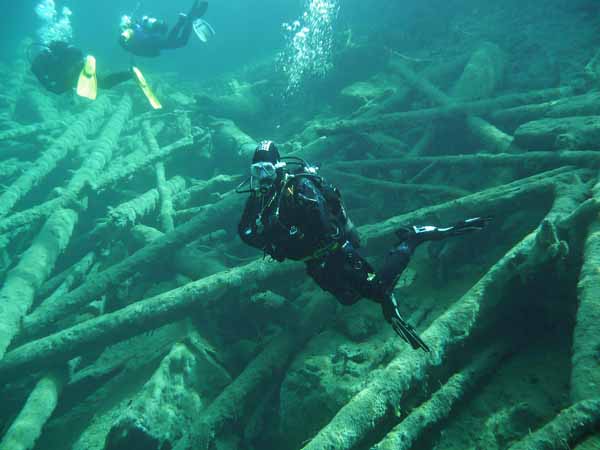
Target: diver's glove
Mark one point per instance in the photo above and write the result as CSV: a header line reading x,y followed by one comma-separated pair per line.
x,y
418,234
401,326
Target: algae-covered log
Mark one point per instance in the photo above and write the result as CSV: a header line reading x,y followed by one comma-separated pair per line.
x,y
46,315
482,74
117,173
585,370
399,188
441,404
447,336
566,429
134,319
204,191
529,160
101,152
478,107
130,212
89,171
35,266
235,400
27,427
28,130
579,105
46,163
165,194
566,133
164,410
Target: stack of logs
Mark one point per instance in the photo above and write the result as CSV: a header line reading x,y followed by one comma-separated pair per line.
x,y
59,334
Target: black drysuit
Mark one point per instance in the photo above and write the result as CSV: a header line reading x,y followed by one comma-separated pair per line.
x,y
304,219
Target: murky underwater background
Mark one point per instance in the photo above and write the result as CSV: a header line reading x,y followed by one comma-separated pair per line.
x,y
133,317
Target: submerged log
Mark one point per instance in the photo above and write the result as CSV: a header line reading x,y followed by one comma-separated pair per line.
x,y
28,130
448,335
164,410
134,319
47,162
235,401
35,266
580,105
44,318
128,213
441,404
146,315
477,107
567,133
482,74
585,371
164,190
117,173
27,427
566,429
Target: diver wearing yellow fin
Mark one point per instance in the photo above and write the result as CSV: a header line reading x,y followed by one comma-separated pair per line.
x,y
141,81
61,67
87,84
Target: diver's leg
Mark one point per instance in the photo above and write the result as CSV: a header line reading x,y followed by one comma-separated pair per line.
x,y
172,40
113,79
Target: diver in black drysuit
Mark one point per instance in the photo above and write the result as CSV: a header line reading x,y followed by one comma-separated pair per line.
x,y
148,36
57,67
298,215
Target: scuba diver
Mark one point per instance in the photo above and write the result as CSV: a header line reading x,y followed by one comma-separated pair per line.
x,y
60,67
148,36
292,212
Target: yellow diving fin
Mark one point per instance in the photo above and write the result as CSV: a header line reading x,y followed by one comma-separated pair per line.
x,y
141,81
87,85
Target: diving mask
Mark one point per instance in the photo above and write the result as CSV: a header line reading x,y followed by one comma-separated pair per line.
x,y
263,174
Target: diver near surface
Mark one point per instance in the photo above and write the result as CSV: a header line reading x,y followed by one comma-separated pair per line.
x,y
61,67
296,214
148,36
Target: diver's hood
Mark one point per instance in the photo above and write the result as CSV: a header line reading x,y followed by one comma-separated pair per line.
x,y
203,30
